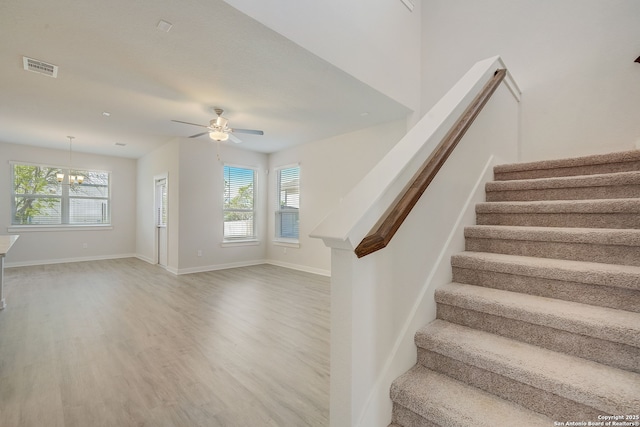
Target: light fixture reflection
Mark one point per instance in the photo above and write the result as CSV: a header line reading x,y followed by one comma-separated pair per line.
x,y
73,179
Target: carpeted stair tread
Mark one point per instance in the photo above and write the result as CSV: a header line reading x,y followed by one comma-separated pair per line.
x,y
587,187
585,165
595,159
597,213
600,180
605,245
556,234
593,273
598,322
602,387
447,402
607,285
608,206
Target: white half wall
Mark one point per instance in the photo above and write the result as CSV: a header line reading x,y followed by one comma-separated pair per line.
x,y
573,60
393,289
376,41
379,301
46,247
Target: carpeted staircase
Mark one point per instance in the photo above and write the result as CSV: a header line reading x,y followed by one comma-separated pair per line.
x,y
541,324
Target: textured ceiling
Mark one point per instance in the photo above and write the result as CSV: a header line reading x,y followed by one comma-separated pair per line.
x,y
111,57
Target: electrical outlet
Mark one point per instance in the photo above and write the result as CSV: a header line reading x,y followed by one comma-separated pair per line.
x,y
85,246
199,252
284,250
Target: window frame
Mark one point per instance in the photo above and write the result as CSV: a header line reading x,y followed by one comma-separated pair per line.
x,y
246,239
279,239
66,199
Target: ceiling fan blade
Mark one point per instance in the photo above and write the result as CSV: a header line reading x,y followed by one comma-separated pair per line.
x,y
234,138
251,131
188,123
198,134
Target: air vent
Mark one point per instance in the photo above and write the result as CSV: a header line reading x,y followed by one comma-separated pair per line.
x,y
40,67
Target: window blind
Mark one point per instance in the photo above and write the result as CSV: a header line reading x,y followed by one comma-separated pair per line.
x,y
288,212
239,203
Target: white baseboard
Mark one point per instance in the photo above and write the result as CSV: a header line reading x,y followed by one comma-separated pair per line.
x,y
145,259
66,260
205,268
304,268
215,267
177,272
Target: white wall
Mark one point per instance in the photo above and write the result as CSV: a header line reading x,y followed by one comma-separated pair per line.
x,y
328,170
376,41
163,160
195,186
573,60
40,247
201,196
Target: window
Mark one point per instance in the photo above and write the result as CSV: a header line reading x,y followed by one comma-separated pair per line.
x,y
287,213
239,203
39,199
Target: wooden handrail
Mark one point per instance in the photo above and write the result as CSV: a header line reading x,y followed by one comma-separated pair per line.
x,y
381,233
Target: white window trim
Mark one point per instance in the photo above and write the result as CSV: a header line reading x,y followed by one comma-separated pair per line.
x,y
286,243
61,227
236,243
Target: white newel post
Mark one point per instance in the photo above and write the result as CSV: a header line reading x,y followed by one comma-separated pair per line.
x,y
341,337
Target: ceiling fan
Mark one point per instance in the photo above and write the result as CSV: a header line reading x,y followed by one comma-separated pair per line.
x,y
219,130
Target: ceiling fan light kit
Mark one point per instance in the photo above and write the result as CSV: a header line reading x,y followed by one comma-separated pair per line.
x,y
219,129
218,135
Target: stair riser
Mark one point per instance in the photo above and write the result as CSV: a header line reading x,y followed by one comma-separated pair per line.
x,y
627,255
406,418
605,296
579,193
568,171
575,220
541,401
609,353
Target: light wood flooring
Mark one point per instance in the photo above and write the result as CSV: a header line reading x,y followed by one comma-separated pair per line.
x,y
124,343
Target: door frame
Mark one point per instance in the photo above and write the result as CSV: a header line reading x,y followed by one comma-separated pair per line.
x,y
156,240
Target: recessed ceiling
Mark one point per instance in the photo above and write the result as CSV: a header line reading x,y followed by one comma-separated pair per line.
x,y
121,79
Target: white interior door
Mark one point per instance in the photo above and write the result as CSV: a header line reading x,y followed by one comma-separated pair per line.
x,y
161,214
